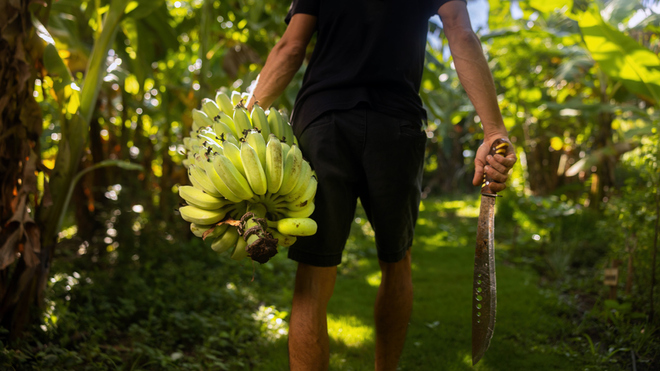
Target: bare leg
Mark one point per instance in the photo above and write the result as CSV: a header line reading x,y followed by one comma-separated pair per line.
x,y
392,312
309,347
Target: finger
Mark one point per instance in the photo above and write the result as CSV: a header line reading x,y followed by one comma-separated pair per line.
x,y
478,175
496,163
497,187
495,175
507,161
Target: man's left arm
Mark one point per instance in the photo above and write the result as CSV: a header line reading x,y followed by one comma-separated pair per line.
x,y
477,80
284,60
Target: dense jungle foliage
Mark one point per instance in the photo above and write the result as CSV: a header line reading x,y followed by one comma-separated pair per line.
x,y
98,271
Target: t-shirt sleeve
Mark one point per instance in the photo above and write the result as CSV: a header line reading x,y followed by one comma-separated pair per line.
x,y
436,4
310,7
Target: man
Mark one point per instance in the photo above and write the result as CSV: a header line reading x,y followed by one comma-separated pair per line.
x,y
358,118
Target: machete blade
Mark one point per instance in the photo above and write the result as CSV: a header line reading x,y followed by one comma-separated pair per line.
x,y
484,292
484,289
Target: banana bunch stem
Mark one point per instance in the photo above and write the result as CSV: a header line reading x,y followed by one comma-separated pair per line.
x,y
261,246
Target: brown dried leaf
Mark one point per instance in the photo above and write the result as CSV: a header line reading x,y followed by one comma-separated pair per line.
x,y
29,255
19,52
29,174
8,250
21,209
232,222
31,117
33,235
3,103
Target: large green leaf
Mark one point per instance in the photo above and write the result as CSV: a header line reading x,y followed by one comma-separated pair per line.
x,y
549,6
621,57
619,11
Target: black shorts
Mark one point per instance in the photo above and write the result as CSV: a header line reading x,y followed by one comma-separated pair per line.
x,y
373,156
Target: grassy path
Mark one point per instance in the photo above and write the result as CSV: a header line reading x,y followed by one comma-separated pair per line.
x,y
439,335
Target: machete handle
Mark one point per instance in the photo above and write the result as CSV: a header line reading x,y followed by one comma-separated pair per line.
x,y
500,147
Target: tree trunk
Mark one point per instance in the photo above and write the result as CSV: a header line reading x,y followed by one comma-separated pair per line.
x,y
20,129
30,230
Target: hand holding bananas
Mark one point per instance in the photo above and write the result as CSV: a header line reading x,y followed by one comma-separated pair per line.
x,y
251,188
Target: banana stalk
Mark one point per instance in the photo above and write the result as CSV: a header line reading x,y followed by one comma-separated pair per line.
x,y
261,246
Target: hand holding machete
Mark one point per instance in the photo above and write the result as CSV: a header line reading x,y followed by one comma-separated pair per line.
x,y
484,293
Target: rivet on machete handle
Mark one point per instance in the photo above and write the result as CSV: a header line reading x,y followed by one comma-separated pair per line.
x,y
499,146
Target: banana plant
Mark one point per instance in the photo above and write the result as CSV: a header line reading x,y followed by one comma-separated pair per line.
x,y
29,277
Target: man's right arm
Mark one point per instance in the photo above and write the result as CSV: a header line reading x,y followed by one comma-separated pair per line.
x,y
477,80
284,60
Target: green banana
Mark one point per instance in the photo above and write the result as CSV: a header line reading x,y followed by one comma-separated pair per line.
x,y
198,230
230,175
189,142
222,128
233,153
253,170
229,122
218,183
196,215
301,182
292,169
210,108
201,119
288,131
305,212
274,164
306,196
260,121
223,101
201,199
275,123
235,98
242,122
285,150
199,180
294,226
213,230
225,241
210,141
282,239
232,139
257,143
240,251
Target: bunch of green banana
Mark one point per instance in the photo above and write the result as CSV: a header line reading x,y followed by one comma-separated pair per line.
x,y
251,190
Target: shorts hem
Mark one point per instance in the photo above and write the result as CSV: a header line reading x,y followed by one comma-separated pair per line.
x,y
394,257
314,259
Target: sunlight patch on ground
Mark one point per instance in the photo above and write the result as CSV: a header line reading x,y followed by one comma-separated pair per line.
x,y
434,241
337,361
374,279
467,360
460,208
349,330
454,204
273,325
468,211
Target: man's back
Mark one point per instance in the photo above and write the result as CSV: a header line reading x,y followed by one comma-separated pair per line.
x,y
369,51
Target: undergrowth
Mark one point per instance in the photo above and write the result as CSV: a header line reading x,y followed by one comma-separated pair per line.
x,y
150,298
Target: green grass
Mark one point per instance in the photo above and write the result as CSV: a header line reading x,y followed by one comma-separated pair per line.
x,y
162,302
528,326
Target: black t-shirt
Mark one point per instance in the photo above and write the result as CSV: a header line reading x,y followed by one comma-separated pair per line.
x,y
367,51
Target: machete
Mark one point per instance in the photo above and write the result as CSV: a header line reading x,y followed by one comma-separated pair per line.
x,y
484,291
